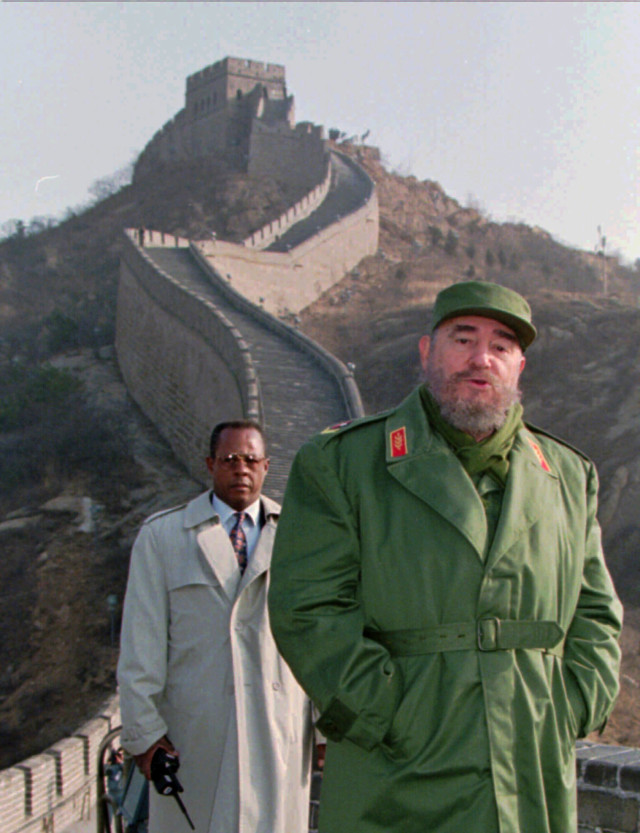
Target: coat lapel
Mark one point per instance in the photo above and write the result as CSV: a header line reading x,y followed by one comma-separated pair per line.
x,y
216,547
214,543
260,560
530,493
413,453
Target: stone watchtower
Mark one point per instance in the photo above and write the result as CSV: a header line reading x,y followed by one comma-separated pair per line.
x,y
223,99
232,108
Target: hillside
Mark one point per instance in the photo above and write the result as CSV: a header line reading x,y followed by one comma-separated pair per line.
x,y
57,301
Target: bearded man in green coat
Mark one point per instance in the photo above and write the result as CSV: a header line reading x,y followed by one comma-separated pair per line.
x,y
438,588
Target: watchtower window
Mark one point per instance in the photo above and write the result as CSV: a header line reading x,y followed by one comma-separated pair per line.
x,y
238,94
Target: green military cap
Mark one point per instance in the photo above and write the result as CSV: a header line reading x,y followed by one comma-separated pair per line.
x,y
488,300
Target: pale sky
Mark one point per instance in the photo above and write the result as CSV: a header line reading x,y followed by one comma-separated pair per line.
x,y
530,109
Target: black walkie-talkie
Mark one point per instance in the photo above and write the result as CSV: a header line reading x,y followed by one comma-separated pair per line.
x,y
164,766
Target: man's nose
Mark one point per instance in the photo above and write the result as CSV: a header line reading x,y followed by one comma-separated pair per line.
x,y
480,356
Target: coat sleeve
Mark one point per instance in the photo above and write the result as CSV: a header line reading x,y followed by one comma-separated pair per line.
x,y
143,646
592,652
314,607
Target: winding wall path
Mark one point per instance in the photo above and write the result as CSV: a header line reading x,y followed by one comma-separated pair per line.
x,y
299,397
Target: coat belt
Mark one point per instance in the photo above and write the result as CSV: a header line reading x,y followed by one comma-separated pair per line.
x,y
486,634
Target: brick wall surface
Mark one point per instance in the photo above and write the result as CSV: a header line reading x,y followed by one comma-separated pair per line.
x,y
12,798
68,755
40,784
91,735
296,156
192,367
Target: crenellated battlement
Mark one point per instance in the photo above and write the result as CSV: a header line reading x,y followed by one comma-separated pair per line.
x,y
255,71
232,108
51,790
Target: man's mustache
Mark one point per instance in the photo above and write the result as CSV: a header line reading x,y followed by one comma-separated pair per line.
x,y
481,375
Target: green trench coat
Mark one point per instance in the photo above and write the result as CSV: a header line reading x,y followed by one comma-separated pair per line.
x,y
466,720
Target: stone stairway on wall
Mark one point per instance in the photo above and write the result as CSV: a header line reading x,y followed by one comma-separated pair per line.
x,y
299,398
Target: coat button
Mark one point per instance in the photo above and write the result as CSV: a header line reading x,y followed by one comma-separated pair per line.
x,y
276,686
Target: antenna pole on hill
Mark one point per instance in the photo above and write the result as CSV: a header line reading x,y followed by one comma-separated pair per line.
x,y
600,249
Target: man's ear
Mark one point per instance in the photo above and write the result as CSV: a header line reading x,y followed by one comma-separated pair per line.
x,y
210,462
424,345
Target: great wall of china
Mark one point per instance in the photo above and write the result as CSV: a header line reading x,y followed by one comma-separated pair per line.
x,y
201,336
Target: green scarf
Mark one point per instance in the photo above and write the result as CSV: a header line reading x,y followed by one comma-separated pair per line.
x,y
488,455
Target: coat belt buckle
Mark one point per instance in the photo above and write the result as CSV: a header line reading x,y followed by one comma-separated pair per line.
x,y
488,634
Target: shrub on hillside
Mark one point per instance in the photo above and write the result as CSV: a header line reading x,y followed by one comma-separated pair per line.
x,y
50,431
61,331
29,390
451,242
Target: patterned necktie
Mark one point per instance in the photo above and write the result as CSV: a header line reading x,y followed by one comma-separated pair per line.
x,y
239,541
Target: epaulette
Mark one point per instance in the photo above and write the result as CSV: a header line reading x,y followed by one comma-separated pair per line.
x,y
536,430
349,425
162,512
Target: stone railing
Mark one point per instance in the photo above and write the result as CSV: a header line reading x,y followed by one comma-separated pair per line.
x,y
52,790
608,788
270,232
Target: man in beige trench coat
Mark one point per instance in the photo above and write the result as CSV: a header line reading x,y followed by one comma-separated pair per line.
x,y
199,672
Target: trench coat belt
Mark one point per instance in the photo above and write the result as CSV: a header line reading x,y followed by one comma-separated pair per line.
x,y
485,634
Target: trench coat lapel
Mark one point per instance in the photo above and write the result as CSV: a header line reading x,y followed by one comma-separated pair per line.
x,y
216,547
214,543
417,453
530,494
260,560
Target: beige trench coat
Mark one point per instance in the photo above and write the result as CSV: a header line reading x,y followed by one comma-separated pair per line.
x,y
198,663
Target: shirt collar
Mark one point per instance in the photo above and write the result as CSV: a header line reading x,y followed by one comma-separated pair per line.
x,y
224,511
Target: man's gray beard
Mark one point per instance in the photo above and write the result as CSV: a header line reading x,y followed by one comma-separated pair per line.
x,y
474,418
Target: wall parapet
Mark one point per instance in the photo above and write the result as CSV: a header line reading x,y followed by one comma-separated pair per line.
x,y
608,788
265,236
56,788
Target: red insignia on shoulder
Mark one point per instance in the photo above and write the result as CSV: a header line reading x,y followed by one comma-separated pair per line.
x,y
539,455
398,442
337,426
